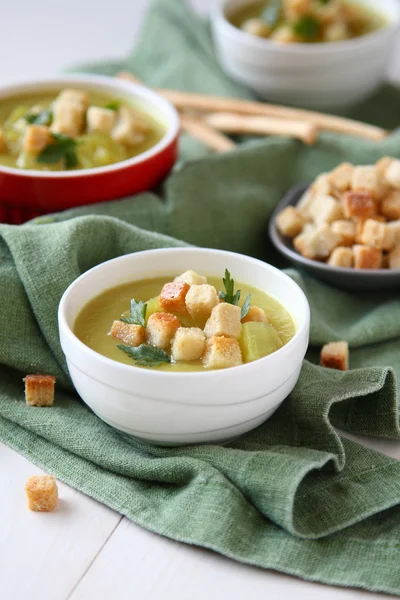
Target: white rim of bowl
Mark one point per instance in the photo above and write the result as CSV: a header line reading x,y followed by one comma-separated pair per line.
x,y
98,82
216,373
304,47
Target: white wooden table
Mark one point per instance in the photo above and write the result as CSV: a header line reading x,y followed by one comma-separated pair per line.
x,y
86,551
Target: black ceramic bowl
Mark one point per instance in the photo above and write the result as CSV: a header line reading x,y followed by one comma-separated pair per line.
x,y
350,279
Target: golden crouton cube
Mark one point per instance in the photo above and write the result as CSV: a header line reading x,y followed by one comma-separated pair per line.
x,y
256,27
336,31
359,204
392,173
161,328
188,344
68,119
100,119
390,206
289,222
129,333
340,178
345,230
129,130
221,353
39,390
284,34
377,235
304,204
173,296
200,300
382,165
366,257
394,227
341,257
322,186
224,320
191,278
335,355
36,138
366,178
255,313
325,209
41,493
394,258
73,96
3,145
296,8
318,243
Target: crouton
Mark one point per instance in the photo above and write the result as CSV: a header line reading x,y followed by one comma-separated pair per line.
x,y
321,186
377,235
394,226
328,13
335,355
340,178
359,204
129,129
289,222
173,295
200,300
293,9
224,320
366,178
366,257
345,230
100,119
3,145
304,204
130,334
188,344
72,96
256,27
390,206
341,257
316,243
255,314
68,118
191,278
394,258
392,173
336,31
36,138
382,165
221,353
161,328
284,34
41,493
39,390
325,209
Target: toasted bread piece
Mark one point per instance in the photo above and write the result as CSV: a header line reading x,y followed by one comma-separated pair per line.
x,y
377,235
382,165
394,258
335,355
316,243
161,328
39,390
188,344
191,278
73,96
366,257
221,353
283,34
255,314
341,257
289,222
390,206
173,295
100,119
224,320
341,177
359,204
366,178
304,204
200,300
394,226
392,173
345,230
256,27
325,209
129,130
41,493
36,138
69,110
131,334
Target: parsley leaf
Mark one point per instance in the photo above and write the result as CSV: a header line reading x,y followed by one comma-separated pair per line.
x,y
138,313
113,105
307,27
245,307
228,296
63,147
146,356
272,13
43,117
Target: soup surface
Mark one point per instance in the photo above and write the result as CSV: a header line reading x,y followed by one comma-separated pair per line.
x,y
253,339
309,21
73,129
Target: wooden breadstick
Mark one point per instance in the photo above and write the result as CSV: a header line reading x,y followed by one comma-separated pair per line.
x,y
234,123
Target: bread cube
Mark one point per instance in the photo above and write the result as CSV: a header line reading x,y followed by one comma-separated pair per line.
x,y
222,353
335,355
325,209
336,31
304,204
161,328
39,390
3,145
173,295
284,34
377,235
341,177
394,258
129,129
341,257
224,320
359,204
293,9
188,344
41,493
345,230
256,27
191,278
289,222
367,179
392,173
382,165
72,96
390,206
130,334
68,119
322,185
36,138
394,227
255,314
200,300
100,119
366,257
317,243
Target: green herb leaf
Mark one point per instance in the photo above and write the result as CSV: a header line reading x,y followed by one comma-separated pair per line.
x,y
146,356
229,296
324,1
113,105
272,13
64,147
44,117
307,27
245,307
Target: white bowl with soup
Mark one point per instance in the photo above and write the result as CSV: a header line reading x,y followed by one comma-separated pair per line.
x,y
198,399
322,55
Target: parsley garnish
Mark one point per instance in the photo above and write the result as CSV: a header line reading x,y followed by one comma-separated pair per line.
x,y
146,356
138,314
245,307
43,117
272,13
64,147
113,105
229,296
307,27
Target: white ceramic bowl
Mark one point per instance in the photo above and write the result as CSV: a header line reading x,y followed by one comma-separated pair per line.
x,y
183,408
320,76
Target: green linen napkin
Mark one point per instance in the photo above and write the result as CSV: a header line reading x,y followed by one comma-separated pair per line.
x,y
293,495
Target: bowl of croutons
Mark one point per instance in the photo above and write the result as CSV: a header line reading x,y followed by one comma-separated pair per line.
x,y
184,345
344,228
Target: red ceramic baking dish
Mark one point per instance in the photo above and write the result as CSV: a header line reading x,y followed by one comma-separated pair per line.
x,y
26,193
